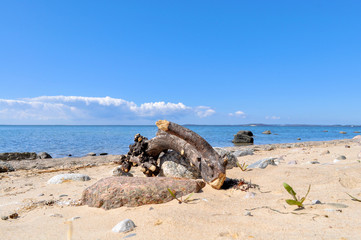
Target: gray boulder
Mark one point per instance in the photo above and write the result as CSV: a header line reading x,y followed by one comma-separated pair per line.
x,y
243,137
241,153
6,167
43,155
263,163
172,164
58,179
232,159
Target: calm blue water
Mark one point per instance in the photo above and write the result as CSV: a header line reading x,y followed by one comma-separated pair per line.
x,y
59,141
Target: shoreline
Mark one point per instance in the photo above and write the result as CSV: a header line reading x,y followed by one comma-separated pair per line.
x,y
91,161
213,214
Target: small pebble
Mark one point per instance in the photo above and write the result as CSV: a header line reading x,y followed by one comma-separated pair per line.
x,y
4,217
313,162
63,195
347,146
14,216
151,208
56,215
74,218
248,213
316,202
41,194
250,195
124,226
292,162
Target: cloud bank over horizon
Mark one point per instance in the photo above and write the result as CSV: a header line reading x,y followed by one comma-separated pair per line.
x,y
93,110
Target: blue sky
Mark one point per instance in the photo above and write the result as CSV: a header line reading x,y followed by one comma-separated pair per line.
x,y
201,62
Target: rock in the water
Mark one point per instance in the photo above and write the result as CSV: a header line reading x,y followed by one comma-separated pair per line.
x,y
263,163
18,156
243,137
266,132
124,226
232,160
241,153
342,132
114,192
43,155
68,177
103,154
356,132
6,167
172,164
91,154
119,172
298,138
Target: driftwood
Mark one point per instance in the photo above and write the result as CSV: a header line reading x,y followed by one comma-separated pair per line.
x,y
187,143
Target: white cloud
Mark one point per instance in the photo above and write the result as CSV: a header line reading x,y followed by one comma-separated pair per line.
x,y
238,114
77,109
273,117
203,111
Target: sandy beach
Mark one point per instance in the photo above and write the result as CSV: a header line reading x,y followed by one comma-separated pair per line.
x,y
258,213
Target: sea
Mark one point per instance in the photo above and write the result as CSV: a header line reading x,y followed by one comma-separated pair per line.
x,y
77,141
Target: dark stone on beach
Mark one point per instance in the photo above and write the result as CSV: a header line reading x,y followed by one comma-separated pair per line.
x,y
43,155
115,192
243,137
231,158
14,216
18,156
69,155
103,154
6,167
4,218
266,132
172,164
91,154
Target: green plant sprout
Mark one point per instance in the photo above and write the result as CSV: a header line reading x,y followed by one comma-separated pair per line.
x,y
295,201
242,166
179,200
353,198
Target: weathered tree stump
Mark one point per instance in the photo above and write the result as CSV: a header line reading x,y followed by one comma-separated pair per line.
x,y
187,143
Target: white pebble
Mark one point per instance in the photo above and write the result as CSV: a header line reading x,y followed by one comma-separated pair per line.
x,y
124,226
58,179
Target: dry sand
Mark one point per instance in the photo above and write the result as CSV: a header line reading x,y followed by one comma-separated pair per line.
x,y
212,214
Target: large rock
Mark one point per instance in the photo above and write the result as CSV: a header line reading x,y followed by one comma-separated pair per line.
x,y
243,137
18,156
231,158
172,164
6,167
115,192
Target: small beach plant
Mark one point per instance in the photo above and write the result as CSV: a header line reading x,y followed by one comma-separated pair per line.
x,y
295,201
180,200
353,198
242,166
